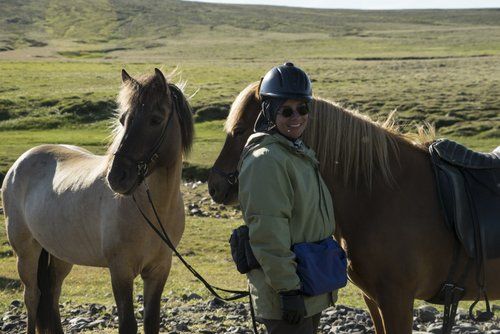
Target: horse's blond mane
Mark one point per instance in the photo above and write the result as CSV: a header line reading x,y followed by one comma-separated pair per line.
x,y
345,141
239,105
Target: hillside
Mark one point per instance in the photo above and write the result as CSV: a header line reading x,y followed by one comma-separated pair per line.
x,y
61,60
141,23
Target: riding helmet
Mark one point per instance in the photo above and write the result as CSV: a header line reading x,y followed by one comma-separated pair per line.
x,y
278,85
287,82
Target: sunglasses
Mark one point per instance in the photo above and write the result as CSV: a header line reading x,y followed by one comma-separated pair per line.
x,y
287,111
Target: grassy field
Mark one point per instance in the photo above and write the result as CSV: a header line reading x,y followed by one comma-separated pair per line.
x,y
209,255
60,68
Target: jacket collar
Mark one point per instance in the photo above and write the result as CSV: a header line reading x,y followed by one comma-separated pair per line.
x,y
261,139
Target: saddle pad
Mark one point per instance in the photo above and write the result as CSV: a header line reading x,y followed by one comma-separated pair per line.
x,y
469,189
459,155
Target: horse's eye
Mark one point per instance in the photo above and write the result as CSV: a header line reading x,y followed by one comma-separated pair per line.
x,y
238,132
155,120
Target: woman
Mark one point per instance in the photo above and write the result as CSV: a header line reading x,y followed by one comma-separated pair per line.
x,y
285,203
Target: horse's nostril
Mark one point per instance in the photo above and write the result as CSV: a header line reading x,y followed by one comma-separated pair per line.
x,y
123,176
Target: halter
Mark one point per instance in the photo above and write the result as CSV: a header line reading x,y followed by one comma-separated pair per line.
x,y
144,166
231,178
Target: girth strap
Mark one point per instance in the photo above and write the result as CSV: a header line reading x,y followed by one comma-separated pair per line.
x,y
451,293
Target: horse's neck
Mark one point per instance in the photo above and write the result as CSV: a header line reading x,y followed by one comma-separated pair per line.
x,y
360,210
164,185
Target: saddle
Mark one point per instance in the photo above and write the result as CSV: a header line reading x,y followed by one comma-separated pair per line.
x,y
468,184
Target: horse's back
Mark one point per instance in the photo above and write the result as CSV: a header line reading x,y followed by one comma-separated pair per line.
x,y
53,166
53,193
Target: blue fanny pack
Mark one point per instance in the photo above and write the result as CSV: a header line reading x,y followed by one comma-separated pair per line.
x,y
321,266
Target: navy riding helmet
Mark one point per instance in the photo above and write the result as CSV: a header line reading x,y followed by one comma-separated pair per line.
x,y
278,85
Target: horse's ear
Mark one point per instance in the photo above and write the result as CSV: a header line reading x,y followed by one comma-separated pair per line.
x,y
126,77
257,90
161,77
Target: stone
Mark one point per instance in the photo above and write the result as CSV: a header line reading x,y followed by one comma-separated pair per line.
x,y
467,328
435,328
8,326
183,327
194,296
95,324
16,304
216,303
96,308
426,313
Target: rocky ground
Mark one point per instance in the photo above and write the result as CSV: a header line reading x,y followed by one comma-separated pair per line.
x,y
197,202
192,314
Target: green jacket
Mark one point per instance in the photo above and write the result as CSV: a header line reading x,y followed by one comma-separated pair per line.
x,y
284,202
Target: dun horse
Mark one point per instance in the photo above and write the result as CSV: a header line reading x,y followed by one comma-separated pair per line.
x,y
386,206
63,206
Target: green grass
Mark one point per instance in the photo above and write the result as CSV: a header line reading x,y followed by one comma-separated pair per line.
x,y
207,145
60,68
459,95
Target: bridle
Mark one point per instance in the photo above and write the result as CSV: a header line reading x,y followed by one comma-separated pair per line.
x,y
231,178
144,165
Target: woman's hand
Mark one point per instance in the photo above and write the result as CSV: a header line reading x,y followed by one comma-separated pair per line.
x,y
292,306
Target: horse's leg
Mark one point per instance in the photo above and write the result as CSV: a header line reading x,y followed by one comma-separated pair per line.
x,y
397,312
154,282
27,266
122,280
375,314
58,272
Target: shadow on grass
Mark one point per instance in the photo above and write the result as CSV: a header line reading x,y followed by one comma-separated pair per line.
x,y
7,253
195,172
9,283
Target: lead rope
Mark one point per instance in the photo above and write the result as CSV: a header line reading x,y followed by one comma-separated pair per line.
x,y
237,294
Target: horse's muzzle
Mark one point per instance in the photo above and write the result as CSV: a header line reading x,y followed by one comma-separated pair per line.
x,y
221,191
123,177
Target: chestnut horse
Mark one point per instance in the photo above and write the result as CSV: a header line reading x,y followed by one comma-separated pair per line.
x,y
386,206
64,206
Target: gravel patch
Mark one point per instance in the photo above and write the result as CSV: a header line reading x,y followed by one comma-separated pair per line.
x,y
191,314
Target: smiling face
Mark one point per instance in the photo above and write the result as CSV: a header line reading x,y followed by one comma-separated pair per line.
x,y
293,126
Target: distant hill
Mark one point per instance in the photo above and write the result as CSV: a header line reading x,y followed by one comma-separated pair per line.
x,y
60,60
35,22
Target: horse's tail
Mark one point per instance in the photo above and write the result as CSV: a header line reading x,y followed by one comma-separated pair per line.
x,y
45,317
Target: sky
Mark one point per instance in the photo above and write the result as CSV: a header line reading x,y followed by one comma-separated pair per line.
x,y
369,4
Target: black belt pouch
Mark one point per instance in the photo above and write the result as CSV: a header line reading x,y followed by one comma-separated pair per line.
x,y
241,251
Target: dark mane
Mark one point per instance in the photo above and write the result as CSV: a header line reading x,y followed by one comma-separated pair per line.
x,y
185,118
